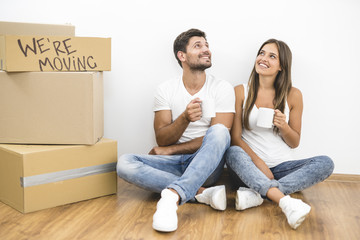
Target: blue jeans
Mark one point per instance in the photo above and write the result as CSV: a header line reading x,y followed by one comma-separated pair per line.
x,y
289,177
184,173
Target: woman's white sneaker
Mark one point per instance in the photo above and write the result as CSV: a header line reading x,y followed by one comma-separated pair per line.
x,y
295,210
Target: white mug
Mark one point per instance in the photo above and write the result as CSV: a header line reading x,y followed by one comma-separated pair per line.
x,y
265,117
208,108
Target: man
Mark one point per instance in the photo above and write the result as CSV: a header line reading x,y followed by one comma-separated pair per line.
x,y
190,147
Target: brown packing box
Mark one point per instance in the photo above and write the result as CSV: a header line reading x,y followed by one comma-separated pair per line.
x,y
20,28
51,108
35,177
54,53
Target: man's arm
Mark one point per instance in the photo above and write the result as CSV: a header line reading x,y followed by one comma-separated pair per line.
x,y
192,146
181,148
168,132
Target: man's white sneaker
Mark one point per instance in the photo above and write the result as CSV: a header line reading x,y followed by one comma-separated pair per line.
x,y
295,210
247,198
213,196
165,217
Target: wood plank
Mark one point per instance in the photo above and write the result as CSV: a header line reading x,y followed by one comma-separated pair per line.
x,y
335,214
344,177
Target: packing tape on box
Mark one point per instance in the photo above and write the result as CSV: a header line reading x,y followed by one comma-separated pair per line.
x,y
66,174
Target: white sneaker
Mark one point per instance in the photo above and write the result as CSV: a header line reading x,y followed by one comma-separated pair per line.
x,y
213,196
295,210
247,198
165,217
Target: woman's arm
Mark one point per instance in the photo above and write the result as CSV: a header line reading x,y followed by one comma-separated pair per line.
x,y
236,133
291,131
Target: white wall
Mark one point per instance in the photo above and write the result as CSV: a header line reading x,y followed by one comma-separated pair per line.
x,y
323,35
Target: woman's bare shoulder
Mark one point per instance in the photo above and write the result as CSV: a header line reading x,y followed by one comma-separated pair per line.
x,y
239,89
295,93
295,96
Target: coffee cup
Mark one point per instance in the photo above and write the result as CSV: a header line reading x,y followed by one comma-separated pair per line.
x,y
208,108
265,117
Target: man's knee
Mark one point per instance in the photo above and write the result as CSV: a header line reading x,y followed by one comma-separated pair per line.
x,y
126,165
220,132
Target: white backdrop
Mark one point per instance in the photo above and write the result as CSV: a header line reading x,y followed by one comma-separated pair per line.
x,y
323,36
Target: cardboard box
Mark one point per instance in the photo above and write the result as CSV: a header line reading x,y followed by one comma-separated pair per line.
x,y
51,108
35,177
20,28
54,53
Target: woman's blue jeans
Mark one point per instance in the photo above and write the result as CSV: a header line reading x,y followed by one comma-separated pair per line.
x,y
183,173
290,176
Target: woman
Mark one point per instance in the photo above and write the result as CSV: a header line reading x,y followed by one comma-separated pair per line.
x,y
261,157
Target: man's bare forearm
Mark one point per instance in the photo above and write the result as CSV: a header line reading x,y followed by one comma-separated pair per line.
x,y
171,133
181,148
187,147
168,132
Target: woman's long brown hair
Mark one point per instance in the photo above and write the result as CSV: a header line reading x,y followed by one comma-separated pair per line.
x,y
282,83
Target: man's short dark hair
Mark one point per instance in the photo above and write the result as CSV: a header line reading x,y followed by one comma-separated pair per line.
x,y
182,41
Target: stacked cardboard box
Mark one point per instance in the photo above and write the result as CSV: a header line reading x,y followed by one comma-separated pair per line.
x,y
51,95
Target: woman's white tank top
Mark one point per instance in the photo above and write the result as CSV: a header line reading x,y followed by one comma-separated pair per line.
x,y
267,144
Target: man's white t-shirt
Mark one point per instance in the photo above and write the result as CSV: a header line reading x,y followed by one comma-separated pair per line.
x,y
172,95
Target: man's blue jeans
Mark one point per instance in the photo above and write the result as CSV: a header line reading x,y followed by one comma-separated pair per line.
x,y
183,173
290,176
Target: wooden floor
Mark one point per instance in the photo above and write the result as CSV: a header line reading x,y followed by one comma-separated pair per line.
x,y
335,214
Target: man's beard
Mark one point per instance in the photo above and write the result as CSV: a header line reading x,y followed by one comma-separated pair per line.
x,y
199,66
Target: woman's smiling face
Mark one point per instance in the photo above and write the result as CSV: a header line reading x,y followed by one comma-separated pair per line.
x,y
268,61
